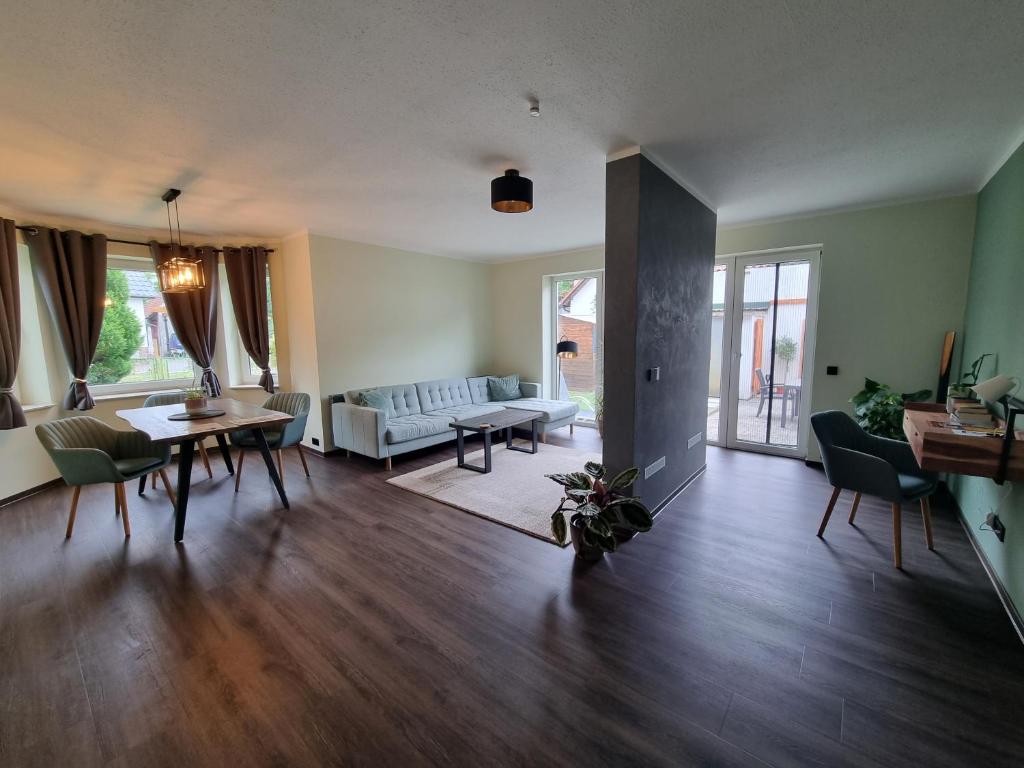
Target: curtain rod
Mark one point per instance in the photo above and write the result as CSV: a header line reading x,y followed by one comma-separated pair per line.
x,y
35,231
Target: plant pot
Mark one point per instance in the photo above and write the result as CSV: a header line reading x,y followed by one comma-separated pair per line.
x,y
622,534
583,550
195,405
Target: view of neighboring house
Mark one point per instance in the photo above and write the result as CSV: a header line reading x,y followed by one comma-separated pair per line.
x,y
577,321
160,347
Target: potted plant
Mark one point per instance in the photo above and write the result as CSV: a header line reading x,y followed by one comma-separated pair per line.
x,y
195,400
599,413
785,350
962,389
597,509
879,409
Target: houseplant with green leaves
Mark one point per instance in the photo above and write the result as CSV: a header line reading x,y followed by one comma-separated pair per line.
x,y
879,408
969,378
598,509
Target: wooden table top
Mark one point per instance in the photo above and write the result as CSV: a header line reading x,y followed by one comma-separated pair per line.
x,y
237,415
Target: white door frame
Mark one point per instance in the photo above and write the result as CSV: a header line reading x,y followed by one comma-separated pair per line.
x,y
598,275
732,334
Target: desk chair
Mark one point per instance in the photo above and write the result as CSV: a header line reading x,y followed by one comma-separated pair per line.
x,y
877,466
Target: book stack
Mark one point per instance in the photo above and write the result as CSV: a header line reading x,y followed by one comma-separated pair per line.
x,y
973,413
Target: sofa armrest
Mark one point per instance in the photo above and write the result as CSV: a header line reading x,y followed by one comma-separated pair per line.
x,y
360,429
529,389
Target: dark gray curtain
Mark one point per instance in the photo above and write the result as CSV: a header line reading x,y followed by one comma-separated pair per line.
x,y
11,415
247,283
71,269
194,314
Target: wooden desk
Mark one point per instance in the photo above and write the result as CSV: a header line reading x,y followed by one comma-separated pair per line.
x,y
938,448
237,415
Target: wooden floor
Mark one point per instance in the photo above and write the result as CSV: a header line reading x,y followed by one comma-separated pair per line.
x,y
369,626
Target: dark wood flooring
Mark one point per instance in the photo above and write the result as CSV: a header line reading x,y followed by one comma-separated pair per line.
x,y
369,626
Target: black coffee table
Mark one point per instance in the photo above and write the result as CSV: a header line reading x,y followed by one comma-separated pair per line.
x,y
488,425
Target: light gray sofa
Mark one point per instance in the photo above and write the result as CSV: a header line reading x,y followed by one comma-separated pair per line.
x,y
421,415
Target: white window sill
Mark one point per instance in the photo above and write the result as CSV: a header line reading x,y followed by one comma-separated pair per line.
x,y
131,395
36,407
245,386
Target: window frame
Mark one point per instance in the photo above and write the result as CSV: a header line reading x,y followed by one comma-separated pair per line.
x,y
139,264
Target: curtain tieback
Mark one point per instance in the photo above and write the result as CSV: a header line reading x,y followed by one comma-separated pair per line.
x,y
79,381
6,390
207,370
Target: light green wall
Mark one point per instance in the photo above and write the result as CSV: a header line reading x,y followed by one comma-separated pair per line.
x,y
520,295
995,323
893,280
383,316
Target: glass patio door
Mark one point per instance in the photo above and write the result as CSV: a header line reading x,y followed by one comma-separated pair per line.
x,y
578,316
763,321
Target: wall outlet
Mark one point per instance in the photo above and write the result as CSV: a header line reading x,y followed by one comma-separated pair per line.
x,y
695,440
993,522
315,440
654,468
832,370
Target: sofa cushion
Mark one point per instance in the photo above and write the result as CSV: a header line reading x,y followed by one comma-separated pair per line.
x,y
403,428
478,389
374,398
442,393
459,412
553,410
503,387
404,400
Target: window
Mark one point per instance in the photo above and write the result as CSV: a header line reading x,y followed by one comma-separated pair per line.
x,y
32,384
577,311
138,349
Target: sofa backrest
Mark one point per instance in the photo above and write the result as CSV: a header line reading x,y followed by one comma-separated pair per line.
x,y
478,389
404,399
443,393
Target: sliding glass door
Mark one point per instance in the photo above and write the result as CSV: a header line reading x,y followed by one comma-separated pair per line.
x,y
763,318
578,306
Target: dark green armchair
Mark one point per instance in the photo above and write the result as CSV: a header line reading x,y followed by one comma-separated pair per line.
x,y
293,403
88,452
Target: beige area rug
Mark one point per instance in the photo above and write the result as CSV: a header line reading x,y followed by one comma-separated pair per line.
x,y
515,492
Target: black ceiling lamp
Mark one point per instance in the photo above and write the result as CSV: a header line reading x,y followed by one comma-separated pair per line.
x,y
511,193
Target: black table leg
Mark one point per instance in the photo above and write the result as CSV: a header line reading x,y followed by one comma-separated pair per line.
x,y
533,429
268,459
487,451
533,436
185,451
142,485
225,453
460,446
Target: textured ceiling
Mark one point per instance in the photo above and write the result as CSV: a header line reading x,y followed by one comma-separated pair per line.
x,y
384,121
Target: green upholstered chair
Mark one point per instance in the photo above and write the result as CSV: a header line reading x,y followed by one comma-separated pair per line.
x,y
175,398
87,452
294,403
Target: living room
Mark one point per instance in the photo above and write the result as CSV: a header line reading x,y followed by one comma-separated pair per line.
x,y
289,284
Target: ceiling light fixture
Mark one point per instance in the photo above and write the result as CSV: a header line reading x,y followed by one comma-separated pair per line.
x,y
178,274
534,108
511,193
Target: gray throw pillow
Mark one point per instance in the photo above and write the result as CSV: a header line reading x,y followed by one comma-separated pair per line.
x,y
374,398
503,387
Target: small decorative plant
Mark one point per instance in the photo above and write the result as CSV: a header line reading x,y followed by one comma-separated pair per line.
x,y
597,510
879,409
195,399
969,378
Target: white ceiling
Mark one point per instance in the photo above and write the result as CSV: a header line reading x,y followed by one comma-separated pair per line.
x,y
384,121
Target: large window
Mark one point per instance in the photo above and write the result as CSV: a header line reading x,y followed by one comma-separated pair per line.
x,y
577,313
138,349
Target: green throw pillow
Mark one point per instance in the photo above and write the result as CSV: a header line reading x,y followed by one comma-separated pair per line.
x,y
503,387
374,398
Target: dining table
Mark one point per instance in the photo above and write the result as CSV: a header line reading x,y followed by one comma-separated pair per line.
x,y
168,424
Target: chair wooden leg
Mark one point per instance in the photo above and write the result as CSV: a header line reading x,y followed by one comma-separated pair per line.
x,y
152,477
167,487
302,458
74,510
926,514
897,536
124,510
828,511
856,503
205,458
238,468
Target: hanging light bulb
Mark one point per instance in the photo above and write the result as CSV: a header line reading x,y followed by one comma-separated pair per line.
x,y
178,274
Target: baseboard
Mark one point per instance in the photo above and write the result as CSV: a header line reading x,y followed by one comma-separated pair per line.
x,y
686,484
31,491
1004,596
814,464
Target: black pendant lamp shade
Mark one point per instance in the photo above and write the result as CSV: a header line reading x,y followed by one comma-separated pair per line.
x,y
511,193
567,349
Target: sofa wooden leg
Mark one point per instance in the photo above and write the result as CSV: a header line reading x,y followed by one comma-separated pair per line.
x,y
926,515
853,509
74,510
387,463
302,458
897,536
348,454
828,511
543,437
238,469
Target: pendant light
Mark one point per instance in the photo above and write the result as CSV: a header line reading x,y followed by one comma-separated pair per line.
x,y
178,274
511,193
